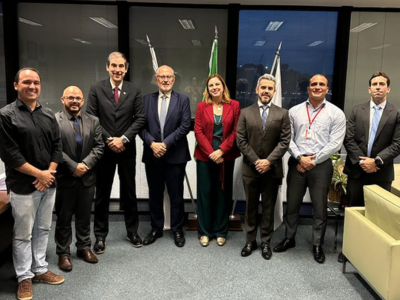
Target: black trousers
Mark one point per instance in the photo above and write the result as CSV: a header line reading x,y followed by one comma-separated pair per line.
x,y
161,174
267,187
355,191
73,200
128,201
317,180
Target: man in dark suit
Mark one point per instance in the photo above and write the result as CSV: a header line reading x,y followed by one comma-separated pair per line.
x,y
166,153
372,143
263,137
76,177
119,107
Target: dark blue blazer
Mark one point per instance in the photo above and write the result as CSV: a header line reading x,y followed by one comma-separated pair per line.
x,y
176,128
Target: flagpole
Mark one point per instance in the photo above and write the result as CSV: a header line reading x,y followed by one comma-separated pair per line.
x,y
276,57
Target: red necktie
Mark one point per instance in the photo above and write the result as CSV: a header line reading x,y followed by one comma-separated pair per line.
x,y
116,96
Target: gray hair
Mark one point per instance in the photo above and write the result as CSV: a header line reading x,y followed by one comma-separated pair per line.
x,y
267,77
117,54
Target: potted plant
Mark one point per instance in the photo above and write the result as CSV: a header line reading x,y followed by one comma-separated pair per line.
x,y
338,188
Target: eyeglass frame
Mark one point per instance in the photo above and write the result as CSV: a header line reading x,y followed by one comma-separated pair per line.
x,y
164,77
72,98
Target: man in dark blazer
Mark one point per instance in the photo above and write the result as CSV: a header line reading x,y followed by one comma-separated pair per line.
x,y
263,137
119,107
371,148
82,148
166,153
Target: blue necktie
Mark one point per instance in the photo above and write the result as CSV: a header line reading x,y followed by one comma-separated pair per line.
x,y
374,128
264,115
163,114
78,138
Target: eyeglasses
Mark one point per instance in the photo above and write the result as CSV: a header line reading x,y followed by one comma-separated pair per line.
x,y
169,77
72,98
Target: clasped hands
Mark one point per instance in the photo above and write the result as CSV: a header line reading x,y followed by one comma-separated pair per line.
x,y
368,164
159,149
216,156
306,164
44,180
262,165
116,144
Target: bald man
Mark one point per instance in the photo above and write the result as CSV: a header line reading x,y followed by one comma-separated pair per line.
x,y
82,142
166,153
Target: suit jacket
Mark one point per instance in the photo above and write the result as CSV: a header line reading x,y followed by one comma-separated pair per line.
x,y
204,128
386,144
92,149
256,143
125,118
176,128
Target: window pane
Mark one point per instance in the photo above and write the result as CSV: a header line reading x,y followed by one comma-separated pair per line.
x,y
372,49
3,98
308,47
65,45
174,46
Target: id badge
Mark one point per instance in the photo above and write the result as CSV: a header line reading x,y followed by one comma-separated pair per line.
x,y
308,133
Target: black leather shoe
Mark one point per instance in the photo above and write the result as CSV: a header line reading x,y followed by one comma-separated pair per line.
x,y
319,255
135,240
285,244
152,237
248,248
340,257
179,238
266,251
100,245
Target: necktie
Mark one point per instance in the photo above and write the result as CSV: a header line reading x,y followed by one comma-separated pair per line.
x,y
78,138
116,96
163,114
264,115
374,128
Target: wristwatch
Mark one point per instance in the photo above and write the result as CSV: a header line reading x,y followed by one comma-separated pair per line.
x,y
124,139
378,161
298,158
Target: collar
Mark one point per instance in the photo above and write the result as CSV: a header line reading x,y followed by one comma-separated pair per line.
x,y
167,94
323,103
69,116
21,103
113,85
260,104
382,105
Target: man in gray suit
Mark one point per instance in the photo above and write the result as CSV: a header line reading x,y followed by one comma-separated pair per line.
x,y
82,148
263,137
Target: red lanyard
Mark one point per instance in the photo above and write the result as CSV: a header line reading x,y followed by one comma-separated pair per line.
x,y
308,113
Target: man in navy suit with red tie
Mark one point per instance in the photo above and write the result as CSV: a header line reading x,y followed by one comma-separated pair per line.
x,y
119,107
166,153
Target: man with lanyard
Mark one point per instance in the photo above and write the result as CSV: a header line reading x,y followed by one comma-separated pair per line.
x,y
318,130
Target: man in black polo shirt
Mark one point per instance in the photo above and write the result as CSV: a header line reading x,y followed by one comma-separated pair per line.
x,y
31,150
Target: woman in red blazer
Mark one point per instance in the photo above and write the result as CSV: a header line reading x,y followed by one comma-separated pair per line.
x,y
215,130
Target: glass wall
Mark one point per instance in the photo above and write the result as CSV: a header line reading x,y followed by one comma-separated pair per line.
x,y
308,47
373,46
187,51
68,44
3,98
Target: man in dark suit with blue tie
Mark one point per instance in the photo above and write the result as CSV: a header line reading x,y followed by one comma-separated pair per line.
x,y
372,141
76,177
119,107
166,153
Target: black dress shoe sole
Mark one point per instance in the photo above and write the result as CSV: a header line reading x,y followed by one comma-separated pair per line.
x,y
133,245
283,249
99,251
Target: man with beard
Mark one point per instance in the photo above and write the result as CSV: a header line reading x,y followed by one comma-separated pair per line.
x,y
263,137
166,153
318,129
119,107
76,177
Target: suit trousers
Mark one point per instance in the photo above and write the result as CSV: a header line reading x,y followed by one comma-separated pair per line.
x,y
73,200
266,186
318,181
128,201
213,202
355,188
161,174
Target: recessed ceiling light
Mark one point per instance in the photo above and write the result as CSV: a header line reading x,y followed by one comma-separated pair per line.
x,y
362,27
316,43
29,22
274,25
186,24
196,42
103,22
82,41
381,46
259,43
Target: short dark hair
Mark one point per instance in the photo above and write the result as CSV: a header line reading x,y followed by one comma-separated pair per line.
x,y
377,74
25,69
117,54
